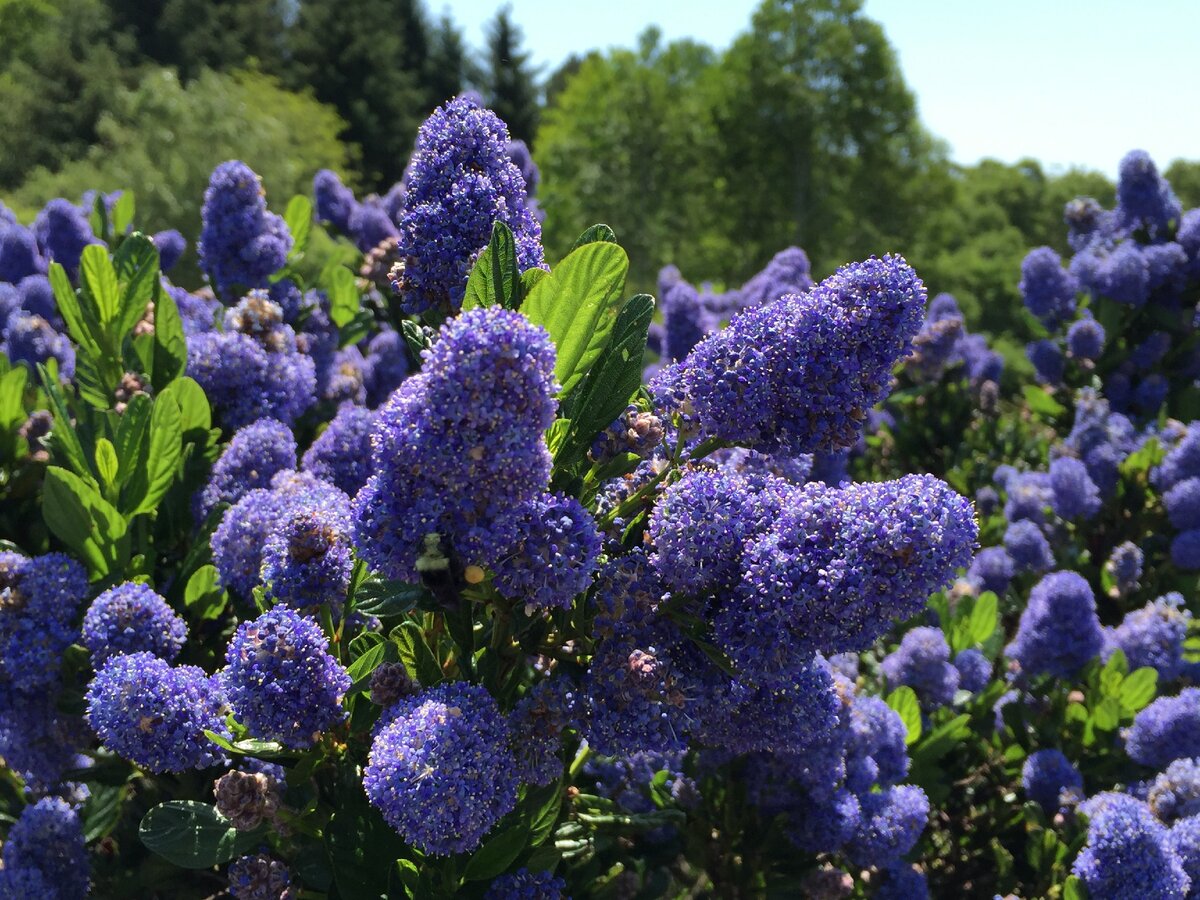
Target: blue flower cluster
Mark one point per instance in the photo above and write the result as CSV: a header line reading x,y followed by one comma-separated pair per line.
x,y
241,243
800,373
554,556
1059,631
131,618
1051,780
441,770
922,662
281,681
307,560
155,715
45,849
1128,853
460,181
256,454
459,448
525,885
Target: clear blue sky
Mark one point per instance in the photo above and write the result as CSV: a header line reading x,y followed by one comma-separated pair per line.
x,y
1069,82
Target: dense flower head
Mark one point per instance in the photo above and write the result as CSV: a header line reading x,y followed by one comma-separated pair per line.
x,y
260,877
256,454
31,339
37,297
132,617
1184,840
902,882
440,770
525,885
307,559
1047,359
341,454
1051,780
974,669
460,181
246,380
62,231
840,563
1059,631
1154,636
555,555
1183,503
370,225
334,202
922,661
1127,855
1085,339
170,245
875,751
1028,547
248,798
1175,792
702,522
1028,495
536,725
40,598
788,272
48,838
385,366
460,447
800,373
992,570
37,740
1166,730
1073,493
1185,549
936,344
686,320
155,715
241,243
282,683
1048,288
240,540
1125,566
19,255
892,821
1144,198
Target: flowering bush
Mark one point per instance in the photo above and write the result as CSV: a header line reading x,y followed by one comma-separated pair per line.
x,y
411,582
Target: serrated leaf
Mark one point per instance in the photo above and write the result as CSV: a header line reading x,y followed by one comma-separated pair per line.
x,y
983,617
904,701
195,415
299,217
383,598
83,520
122,212
151,482
99,279
496,854
495,278
343,294
1138,689
133,435
577,303
1107,714
170,343
107,465
605,391
365,665
136,263
64,439
204,597
414,652
79,325
598,233
194,835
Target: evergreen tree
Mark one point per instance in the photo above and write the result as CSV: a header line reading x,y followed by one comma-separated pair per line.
x,y
511,89
369,59
451,68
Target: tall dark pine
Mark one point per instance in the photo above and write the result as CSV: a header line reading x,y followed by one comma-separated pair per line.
x,y
451,68
511,89
369,59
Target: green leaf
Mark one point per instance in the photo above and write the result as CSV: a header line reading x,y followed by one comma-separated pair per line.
x,y
165,448
605,390
904,701
495,279
99,280
204,597
1074,889
83,520
362,668
380,597
577,304
12,397
194,411
943,739
497,854
983,617
1041,403
1107,714
1138,689
123,212
415,339
136,262
102,810
133,433
299,217
414,652
107,465
194,835
595,234
79,325
530,279
339,286
1149,455
544,804
170,343
64,439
